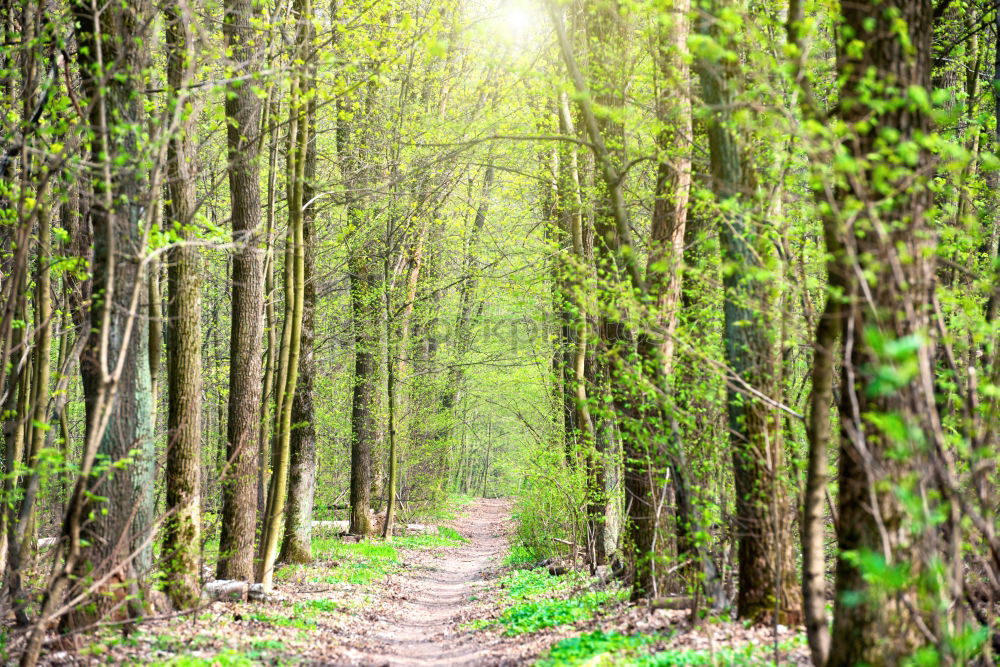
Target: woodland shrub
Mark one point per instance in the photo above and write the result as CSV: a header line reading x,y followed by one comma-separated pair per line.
x,y
549,507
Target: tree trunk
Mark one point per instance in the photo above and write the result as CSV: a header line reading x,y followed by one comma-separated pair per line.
x,y
294,297
297,545
115,366
767,585
365,310
890,246
182,537
243,108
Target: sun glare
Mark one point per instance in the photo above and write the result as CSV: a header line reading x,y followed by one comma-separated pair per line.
x,y
517,21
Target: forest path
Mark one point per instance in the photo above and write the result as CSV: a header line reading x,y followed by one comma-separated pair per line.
x,y
419,624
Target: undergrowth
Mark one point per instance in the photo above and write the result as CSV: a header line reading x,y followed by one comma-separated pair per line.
x,y
597,649
549,613
538,600
361,563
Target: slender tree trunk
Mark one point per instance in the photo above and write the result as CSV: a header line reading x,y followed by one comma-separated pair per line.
x,y
296,547
182,537
269,317
294,298
390,507
664,268
243,108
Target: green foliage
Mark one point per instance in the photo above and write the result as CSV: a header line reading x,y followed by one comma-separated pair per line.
x,y
362,563
536,615
295,620
311,607
594,648
599,649
227,658
519,556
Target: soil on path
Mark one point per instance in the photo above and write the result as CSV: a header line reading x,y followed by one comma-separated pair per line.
x,y
419,621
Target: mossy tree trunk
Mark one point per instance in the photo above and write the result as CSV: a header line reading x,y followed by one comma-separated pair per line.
x,y
182,537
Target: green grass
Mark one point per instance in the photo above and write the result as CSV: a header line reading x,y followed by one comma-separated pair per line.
x,y
530,584
312,607
452,508
294,621
538,600
446,537
357,563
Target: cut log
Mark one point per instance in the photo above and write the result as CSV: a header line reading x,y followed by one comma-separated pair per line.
x,y
227,590
337,527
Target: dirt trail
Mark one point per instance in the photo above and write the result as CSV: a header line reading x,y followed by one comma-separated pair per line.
x,y
418,623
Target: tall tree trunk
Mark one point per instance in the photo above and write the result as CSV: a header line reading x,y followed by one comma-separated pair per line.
x,y
767,584
364,309
269,317
243,108
182,537
115,366
664,268
889,427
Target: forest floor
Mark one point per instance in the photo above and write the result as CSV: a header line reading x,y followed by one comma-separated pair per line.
x,y
433,600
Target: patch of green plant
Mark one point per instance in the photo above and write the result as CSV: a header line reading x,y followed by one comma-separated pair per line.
x,y
294,621
533,615
357,563
594,648
324,605
260,649
446,537
519,556
450,533
268,645
228,658
529,584
751,654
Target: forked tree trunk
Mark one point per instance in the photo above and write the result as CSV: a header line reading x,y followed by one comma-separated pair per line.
x,y
294,298
297,544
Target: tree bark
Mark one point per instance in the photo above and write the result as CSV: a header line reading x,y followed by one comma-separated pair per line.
x,y
767,585
182,537
294,297
890,249
297,545
243,108
115,366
